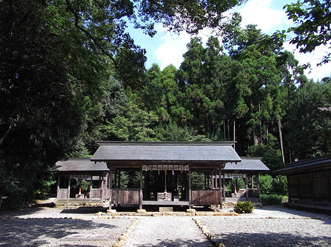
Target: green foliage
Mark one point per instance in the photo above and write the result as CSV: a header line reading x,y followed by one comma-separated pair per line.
x,y
245,207
311,25
132,124
235,184
265,184
270,156
271,199
273,185
279,185
308,128
83,184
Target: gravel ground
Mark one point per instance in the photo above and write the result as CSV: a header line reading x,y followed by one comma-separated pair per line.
x,y
50,226
269,226
167,231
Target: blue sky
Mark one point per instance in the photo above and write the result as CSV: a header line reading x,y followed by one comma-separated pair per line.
x,y
166,48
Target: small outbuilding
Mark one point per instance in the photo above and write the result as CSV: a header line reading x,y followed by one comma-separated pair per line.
x,y
81,181
248,170
309,183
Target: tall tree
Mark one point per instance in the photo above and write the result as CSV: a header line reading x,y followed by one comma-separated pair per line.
x,y
307,126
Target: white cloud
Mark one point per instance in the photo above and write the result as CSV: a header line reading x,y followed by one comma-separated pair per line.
x,y
172,49
261,13
316,72
173,46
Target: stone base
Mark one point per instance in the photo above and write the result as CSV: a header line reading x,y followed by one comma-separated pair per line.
x,y
141,211
166,209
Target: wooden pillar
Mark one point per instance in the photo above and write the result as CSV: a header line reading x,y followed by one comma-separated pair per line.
x,y
220,185
258,187
91,188
58,186
141,189
189,187
119,179
110,186
69,185
246,183
224,185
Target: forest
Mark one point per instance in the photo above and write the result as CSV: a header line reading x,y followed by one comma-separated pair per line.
x,y
71,75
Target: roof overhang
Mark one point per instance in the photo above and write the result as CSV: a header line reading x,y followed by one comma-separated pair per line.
x,y
247,165
79,165
318,163
150,153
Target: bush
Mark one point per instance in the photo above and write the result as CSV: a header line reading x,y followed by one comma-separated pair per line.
x,y
279,185
273,185
243,207
272,199
265,184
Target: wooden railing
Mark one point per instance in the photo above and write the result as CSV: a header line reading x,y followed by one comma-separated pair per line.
x,y
96,193
125,196
205,197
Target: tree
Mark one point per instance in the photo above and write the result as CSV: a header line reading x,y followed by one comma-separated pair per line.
x,y
131,124
55,60
306,125
312,25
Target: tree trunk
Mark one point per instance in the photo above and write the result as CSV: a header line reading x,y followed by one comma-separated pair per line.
x,y
281,139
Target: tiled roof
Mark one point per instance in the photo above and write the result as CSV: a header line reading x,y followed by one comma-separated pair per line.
x,y
78,164
308,164
166,152
247,164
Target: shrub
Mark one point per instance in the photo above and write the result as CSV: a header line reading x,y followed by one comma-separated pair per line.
x,y
243,207
272,199
279,185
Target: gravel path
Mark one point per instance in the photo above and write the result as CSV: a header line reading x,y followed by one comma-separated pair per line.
x,y
167,231
270,226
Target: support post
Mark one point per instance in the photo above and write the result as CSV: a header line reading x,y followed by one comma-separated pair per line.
x,y
110,186
69,185
220,185
91,194
189,187
224,186
246,182
258,187
58,186
141,189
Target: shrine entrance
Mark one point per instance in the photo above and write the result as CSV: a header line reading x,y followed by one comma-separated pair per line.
x,y
165,173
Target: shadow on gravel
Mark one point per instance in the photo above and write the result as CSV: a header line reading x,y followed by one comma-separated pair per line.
x,y
271,240
31,231
179,242
84,210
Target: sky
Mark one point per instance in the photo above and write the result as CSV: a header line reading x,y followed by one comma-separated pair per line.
x,y
166,48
